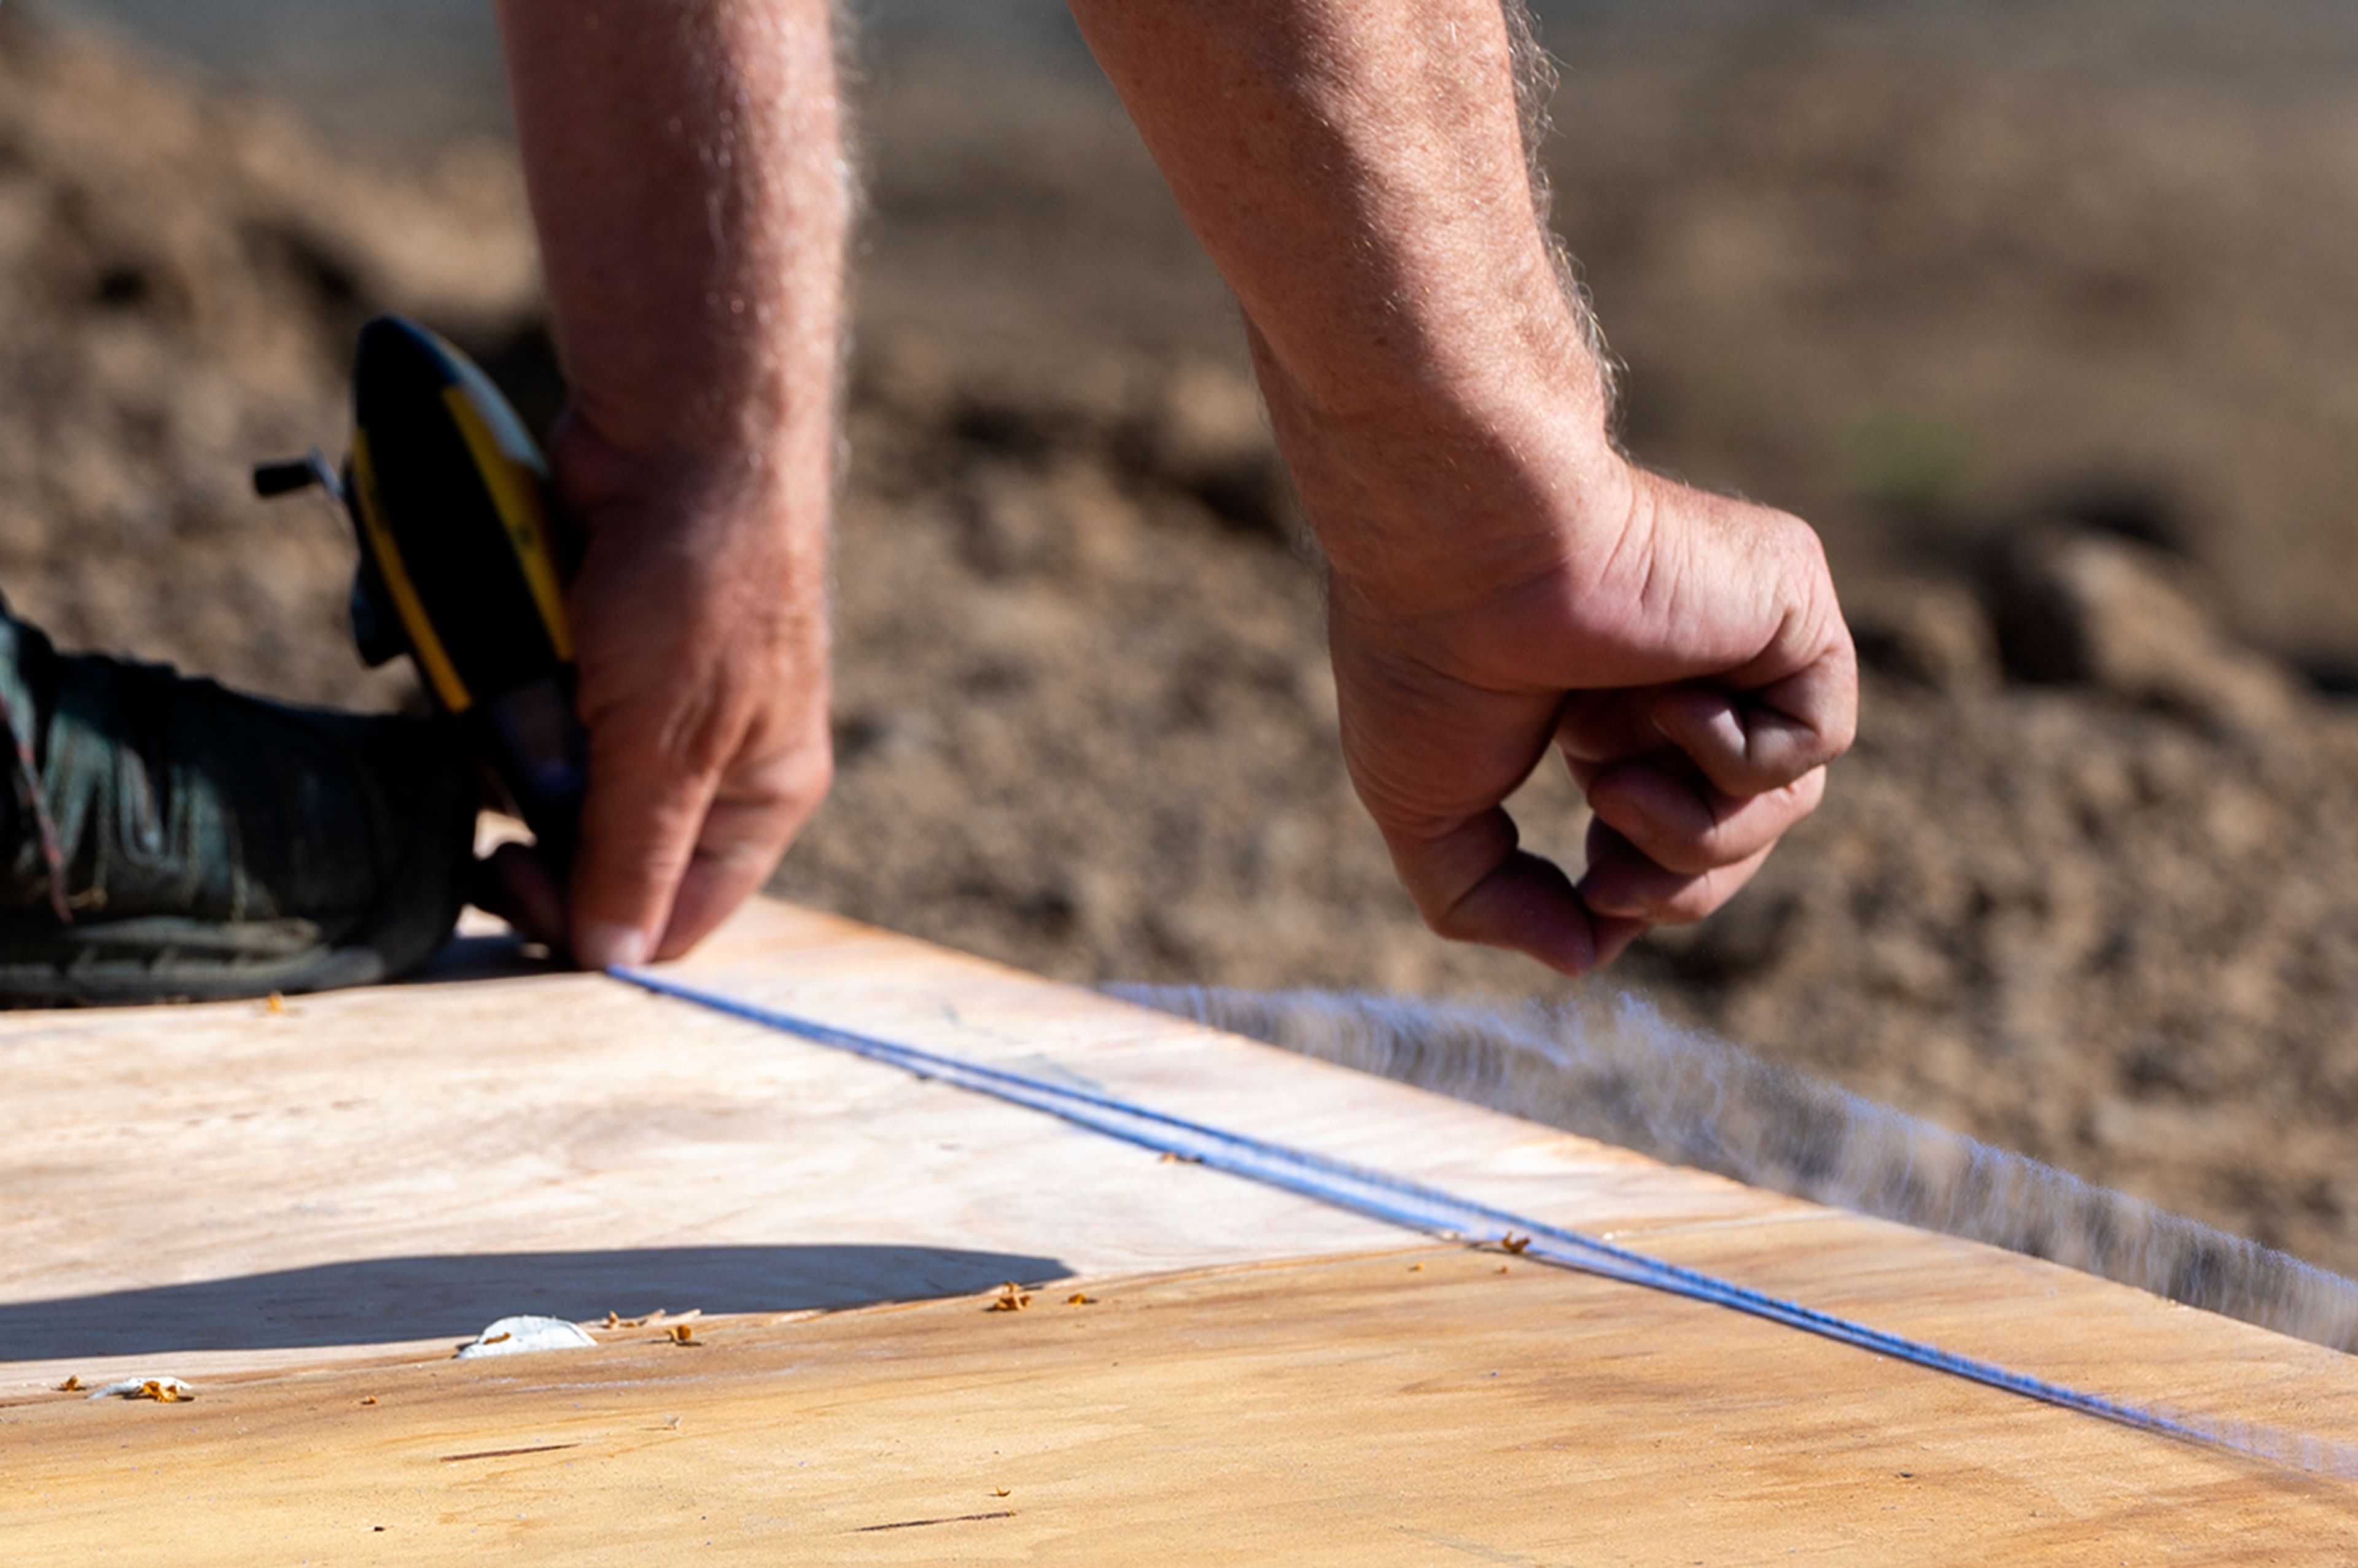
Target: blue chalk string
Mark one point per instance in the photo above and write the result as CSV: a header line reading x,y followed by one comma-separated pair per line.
x,y
1415,1206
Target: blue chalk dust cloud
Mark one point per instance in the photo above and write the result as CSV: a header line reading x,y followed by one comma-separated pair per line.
x,y
1608,1065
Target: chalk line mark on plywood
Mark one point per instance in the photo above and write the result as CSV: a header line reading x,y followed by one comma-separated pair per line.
x,y
1414,1206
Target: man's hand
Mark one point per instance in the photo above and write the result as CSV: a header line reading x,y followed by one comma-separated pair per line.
x,y
1502,578
703,655
1690,666
704,686
686,167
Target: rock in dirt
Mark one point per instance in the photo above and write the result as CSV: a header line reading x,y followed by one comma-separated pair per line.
x,y
1933,634
2076,606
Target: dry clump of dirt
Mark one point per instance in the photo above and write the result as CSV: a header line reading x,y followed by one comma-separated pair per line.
x,y
2088,887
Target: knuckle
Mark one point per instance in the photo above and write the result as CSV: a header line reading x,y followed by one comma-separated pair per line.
x,y
703,734
812,784
1697,901
1692,856
1830,732
1843,733
780,795
1808,546
1449,921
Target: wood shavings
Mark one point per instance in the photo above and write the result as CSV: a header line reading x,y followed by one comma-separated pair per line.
x,y
997,1491
1012,1297
1080,1298
276,1003
681,1334
656,1316
72,1385
1514,1243
1172,1157
368,1398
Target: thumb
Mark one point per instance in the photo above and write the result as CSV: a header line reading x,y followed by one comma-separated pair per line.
x,y
1473,883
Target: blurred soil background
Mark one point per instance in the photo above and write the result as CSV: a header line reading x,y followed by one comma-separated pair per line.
x,y
2045,312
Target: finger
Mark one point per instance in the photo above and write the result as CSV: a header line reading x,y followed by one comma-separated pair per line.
x,y
1473,884
746,831
1754,741
713,887
1622,883
1683,824
1614,936
515,885
1596,729
640,822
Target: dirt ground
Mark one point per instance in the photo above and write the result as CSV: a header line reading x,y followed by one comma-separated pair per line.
x,y
2043,313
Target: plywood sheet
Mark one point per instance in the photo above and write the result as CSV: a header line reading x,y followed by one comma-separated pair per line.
x,y
300,1211
1409,1407
230,1186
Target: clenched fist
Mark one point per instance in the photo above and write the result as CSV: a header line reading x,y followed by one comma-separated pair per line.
x,y
1685,654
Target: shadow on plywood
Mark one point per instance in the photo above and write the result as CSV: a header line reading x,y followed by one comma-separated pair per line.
x,y
385,1300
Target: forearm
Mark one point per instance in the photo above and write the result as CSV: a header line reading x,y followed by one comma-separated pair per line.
x,y
685,162
1357,169
686,168
1503,580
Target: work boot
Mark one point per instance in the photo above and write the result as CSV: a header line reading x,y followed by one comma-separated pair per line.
x,y
170,839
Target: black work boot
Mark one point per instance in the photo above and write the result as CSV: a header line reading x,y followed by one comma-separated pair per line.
x,y
169,839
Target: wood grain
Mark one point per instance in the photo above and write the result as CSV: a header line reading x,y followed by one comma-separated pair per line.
x,y
227,1187
298,1211
1408,1406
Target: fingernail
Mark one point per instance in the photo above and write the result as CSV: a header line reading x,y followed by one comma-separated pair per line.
x,y
610,944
